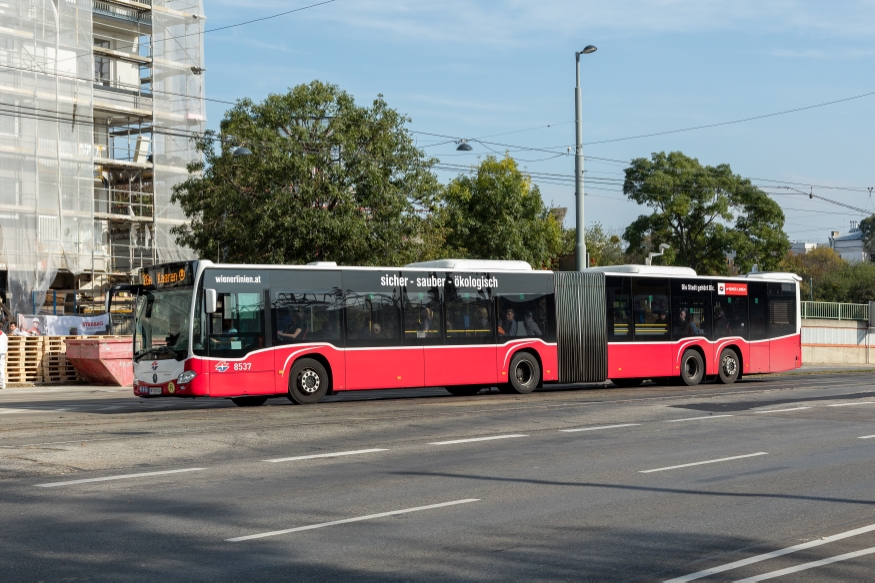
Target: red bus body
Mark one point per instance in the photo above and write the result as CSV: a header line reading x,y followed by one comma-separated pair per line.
x,y
264,371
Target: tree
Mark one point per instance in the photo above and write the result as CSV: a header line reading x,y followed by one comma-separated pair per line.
x,y
327,180
867,227
498,214
694,207
604,248
815,265
851,283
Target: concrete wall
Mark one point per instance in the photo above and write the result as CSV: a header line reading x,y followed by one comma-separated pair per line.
x,y
837,342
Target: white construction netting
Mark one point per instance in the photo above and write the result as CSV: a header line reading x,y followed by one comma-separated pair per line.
x,y
46,138
178,91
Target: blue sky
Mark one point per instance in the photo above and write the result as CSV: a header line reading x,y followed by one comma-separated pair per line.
x,y
480,68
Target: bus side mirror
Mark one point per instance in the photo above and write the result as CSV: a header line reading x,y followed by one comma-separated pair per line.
x,y
210,301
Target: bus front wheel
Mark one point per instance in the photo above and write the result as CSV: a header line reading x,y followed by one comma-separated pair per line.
x,y
308,382
730,367
525,373
692,368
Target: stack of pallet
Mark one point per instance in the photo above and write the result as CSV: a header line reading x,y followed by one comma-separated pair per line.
x,y
55,366
24,359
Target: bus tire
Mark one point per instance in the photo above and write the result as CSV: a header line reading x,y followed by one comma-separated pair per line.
x,y
627,383
464,390
729,367
308,382
692,368
249,401
525,373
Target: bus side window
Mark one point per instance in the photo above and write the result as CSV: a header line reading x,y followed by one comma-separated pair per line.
x,y
730,317
528,315
373,318
619,308
782,309
237,327
756,305
650,309
469,318
311,316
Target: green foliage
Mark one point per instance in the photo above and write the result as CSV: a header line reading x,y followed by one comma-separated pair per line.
x,y
604,248
694,207
852,283
498,214
328,180
835,280
867,226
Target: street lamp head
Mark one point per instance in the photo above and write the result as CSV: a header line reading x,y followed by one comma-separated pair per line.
x,y
241,151
588,49
664,246
464,146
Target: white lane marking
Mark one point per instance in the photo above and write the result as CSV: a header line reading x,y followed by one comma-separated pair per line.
x,y
867,437
318,455
476,439
696,418
806,566
851,404
347,520
782,410
723,459
5,411
772,555
600,427
123,477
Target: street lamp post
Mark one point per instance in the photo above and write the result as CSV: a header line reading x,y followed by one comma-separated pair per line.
x,y
580,260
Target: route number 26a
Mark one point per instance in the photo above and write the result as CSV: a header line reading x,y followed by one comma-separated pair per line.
x,y
242,365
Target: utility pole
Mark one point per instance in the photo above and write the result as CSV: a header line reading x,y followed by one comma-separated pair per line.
x,y
581,262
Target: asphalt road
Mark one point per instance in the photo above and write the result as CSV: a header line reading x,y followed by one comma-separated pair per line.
x,y
771,477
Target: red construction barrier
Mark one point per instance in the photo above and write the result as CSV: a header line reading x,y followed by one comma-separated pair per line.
x,y
103,361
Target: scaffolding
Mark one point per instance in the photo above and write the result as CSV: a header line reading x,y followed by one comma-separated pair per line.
x,y
99,101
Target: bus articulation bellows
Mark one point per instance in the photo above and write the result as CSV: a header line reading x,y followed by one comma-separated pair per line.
x,y
251,332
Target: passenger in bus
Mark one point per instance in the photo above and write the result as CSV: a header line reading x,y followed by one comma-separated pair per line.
x,y
685,326
507,327
662,320
721,323
482,322
328,330
426,322
532,328
377,331
296,329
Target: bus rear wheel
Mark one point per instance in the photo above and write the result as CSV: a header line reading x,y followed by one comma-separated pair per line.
x,y
692,368
464,390
525,374
627,383
308,382
249,401
730,367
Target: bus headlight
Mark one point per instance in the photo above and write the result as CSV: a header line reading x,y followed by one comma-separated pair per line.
x,y
186,377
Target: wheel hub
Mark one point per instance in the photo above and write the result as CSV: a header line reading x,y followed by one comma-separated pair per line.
x,y
308,381
523,373
730,366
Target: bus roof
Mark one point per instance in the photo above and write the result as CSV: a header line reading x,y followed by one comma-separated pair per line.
x,y
474,265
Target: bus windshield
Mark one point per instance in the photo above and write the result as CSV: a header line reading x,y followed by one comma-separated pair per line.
x,y
162,324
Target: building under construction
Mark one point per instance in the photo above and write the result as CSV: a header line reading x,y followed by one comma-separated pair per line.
x,y
99,100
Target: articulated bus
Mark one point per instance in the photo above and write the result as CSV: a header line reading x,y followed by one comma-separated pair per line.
x,y
251,332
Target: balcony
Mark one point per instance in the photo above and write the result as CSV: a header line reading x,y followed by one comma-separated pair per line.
x,y
126,12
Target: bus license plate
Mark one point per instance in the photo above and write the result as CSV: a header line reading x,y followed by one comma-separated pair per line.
x,y
154,390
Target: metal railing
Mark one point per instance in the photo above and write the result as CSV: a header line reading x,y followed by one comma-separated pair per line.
x,y
835,311
123,13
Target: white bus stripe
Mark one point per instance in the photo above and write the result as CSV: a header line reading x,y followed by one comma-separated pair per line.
x,y
723,459
319,455
772,555
348,520
123,477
